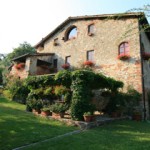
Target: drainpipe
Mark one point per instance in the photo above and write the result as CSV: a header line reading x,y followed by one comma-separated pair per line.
x,y
142,77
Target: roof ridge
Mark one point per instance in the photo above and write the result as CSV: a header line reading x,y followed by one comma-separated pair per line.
x,y
87,17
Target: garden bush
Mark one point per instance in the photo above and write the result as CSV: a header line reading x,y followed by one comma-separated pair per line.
x,y
34,82
75,87
124,102
59,108
16,90
35,104
63,78
7,94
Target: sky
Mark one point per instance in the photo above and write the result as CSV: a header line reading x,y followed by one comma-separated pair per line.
x,y
31,20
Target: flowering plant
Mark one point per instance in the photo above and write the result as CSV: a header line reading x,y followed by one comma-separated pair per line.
x,y
65,66
88,63
123,56
20,65
146,55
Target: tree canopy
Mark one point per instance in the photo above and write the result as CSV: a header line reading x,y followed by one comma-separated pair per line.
x,y
22,49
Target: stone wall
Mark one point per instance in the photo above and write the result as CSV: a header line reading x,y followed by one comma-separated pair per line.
x,y
20,73
31,67
146,70
108,34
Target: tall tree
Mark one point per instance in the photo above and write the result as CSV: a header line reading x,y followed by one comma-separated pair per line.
x,y
22,49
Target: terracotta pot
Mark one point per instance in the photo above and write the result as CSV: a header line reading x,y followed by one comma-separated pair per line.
x,y
58,115
137,117
88,118
45,113
36,112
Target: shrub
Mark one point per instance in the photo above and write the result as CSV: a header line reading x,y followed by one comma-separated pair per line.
x,y
81,93
60,90
35,104
58,108
46,108
16,90
63,78
34,82
124,102
48,91
88,113
7,94
1,91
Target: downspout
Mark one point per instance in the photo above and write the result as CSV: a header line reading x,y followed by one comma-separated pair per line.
x,y
142,72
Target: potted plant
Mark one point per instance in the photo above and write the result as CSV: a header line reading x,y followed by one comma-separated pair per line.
x,y
88,116
65,66
137,115
36,105
45,111
146,55
88,63
118,111
123,56
58,110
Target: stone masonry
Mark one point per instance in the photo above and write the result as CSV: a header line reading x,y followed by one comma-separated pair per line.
x,y
108,35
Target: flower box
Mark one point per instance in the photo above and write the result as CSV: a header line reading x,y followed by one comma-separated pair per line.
x,y
20,66
88,63
123,56
146,55
65,66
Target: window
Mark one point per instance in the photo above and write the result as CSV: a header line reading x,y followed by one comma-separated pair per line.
x,y
91,29
71,33
90,55
124,48
55,63
56,42
68,60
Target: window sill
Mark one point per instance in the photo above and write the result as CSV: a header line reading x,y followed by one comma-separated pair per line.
x,y
124,56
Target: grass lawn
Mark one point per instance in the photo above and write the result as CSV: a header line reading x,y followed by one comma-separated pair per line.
x,y
18,127
122,135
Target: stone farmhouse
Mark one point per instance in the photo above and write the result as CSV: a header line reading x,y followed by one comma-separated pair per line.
x,y
118,44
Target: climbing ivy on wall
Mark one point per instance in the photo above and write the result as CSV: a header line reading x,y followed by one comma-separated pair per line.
x,y
81,93
83,81
75,86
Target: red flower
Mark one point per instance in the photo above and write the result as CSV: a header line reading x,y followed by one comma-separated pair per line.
x,y
65,66
88,63
20,65
146,55
123,56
